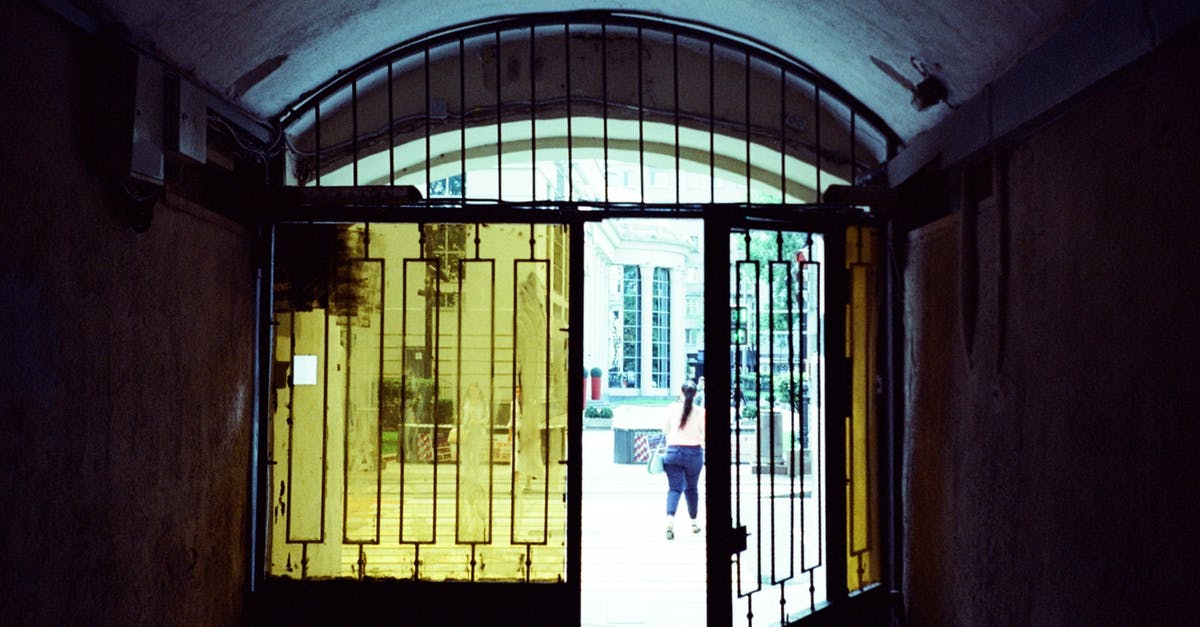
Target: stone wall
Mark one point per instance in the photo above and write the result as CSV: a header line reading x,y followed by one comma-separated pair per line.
x,y
1050,471
126,390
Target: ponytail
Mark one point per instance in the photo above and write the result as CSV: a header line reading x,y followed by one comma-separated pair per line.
x,y
689,396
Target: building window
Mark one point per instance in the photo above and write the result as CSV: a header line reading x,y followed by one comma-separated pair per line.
x,y
449,187
660,329
631,331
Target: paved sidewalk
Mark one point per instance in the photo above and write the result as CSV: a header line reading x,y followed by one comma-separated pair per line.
x,y
633,575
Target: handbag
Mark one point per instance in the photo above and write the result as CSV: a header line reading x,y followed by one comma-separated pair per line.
x,y
654,465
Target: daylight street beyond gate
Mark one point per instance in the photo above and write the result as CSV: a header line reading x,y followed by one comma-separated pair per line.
x,y
633,575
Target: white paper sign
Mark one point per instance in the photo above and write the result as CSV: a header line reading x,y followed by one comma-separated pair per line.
x,y
304,370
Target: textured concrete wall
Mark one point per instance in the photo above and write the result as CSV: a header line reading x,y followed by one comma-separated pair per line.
x,y
125,373
1057,485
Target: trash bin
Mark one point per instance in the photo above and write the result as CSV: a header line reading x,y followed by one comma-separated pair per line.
x,y
626,448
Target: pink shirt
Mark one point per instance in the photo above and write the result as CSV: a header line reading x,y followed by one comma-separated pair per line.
x,y
692,434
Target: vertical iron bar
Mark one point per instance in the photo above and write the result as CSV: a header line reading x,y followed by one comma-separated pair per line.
x,y
604,86
757,364
792,425
746,90
354,131
434,359
499,124
852,262
811,437
532,114
853,149
514,443
675,83
345,418
361,562
570,115
869,424
822,420
783,150
641,87
379,400
428,156
391,129
291,422
491,491
458,359
771,396
546,384
771,400
324,430
462,121
712,125
805,426
317,139
820,149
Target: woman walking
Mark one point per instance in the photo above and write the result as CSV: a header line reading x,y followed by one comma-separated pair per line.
x,y
685,456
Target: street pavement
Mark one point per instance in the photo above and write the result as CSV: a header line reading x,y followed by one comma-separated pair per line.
x,y
633,575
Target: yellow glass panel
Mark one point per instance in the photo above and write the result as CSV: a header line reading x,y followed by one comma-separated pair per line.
x,y
862,519
419,402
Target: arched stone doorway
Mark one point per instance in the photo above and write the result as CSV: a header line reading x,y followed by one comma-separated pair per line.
x,y
483,152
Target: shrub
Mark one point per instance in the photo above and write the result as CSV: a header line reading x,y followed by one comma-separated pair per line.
x,y
389,413
418,395
592,411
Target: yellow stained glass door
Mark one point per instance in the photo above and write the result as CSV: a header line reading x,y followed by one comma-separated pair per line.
x,y
418,426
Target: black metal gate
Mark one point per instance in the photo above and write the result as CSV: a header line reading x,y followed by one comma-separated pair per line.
x,y
544,123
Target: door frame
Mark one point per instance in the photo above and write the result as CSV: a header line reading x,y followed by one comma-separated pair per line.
x,y
274,600
868,606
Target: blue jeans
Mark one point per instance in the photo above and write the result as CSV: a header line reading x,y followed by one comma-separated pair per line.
x,y
682,465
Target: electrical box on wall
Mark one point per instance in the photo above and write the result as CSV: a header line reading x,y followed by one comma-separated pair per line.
x,y
128,123
185,120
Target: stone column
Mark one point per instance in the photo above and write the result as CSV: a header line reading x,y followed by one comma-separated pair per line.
x,y
678,328
647,326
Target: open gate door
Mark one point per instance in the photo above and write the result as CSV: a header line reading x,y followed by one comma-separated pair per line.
x,y
801,480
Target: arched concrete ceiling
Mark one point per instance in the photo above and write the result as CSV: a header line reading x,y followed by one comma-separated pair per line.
x,y
262,54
